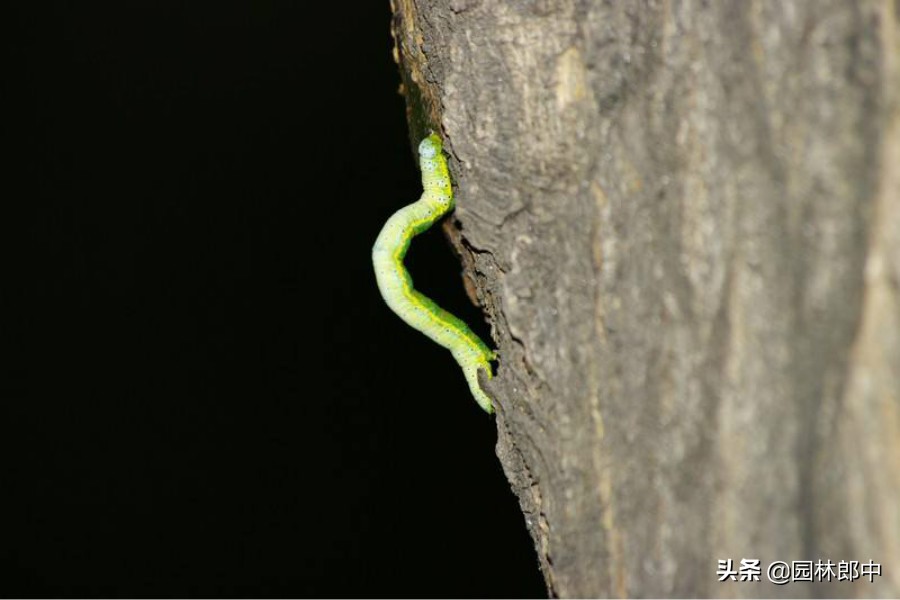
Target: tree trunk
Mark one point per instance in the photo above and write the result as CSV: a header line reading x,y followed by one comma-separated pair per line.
x,y
683,222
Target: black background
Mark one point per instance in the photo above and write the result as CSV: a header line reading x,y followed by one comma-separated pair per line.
x,y
205,395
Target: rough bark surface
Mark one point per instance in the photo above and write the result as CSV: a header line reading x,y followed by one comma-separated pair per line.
x,y
683,222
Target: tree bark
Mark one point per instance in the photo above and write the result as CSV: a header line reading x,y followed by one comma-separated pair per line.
x,y
683,222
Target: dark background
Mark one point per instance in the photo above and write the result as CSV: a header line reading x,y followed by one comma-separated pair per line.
x,y
204,394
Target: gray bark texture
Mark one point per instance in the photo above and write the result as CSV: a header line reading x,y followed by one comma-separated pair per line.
x,y
682,219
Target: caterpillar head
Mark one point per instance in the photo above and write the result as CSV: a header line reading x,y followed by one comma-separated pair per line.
x,y
430,146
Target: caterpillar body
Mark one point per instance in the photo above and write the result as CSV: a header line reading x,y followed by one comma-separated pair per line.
x,y
395,282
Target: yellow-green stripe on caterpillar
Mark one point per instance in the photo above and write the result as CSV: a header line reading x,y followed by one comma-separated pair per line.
x,y
396,285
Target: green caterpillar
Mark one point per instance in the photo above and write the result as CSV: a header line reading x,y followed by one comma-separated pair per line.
x,y
396,285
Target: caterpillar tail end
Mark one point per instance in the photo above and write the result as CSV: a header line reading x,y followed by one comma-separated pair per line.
x,y
481,397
